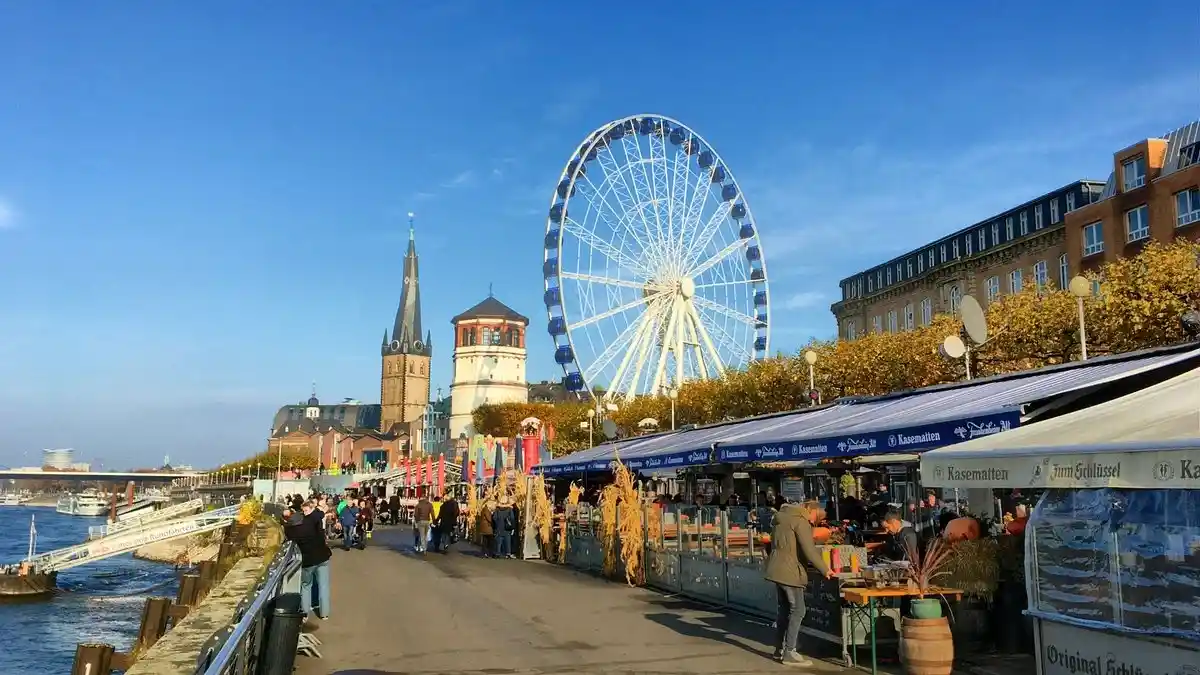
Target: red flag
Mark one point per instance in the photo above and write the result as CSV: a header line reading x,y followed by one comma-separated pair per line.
x,y
429,470
441,475
407,472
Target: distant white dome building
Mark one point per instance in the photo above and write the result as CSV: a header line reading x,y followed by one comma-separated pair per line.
x,y
61,458
489,361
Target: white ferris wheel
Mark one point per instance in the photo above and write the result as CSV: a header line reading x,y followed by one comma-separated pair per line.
x,y
654,272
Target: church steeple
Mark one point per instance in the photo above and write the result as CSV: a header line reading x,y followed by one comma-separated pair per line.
x,y
407,335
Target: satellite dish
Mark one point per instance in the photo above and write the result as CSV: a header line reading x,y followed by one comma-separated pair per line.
x,y
953,347
610,429
973,319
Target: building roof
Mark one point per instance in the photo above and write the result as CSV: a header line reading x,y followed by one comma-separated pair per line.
x,y
491,308
407,336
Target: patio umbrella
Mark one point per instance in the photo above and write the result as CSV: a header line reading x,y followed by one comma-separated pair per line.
x,y
465,471
479,467
498,465
519,453
544,453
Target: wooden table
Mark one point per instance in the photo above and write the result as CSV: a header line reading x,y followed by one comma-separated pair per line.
x,y
862,606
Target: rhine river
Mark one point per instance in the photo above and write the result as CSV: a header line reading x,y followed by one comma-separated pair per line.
x,y
97,602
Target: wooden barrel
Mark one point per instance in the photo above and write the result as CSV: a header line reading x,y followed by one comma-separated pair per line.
x,y
926,646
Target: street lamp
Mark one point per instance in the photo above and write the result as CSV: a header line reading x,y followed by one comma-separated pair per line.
x,y
673,394
1081,288
810,357
591,419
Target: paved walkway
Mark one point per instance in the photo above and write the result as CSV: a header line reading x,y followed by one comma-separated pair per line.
x,y
396,612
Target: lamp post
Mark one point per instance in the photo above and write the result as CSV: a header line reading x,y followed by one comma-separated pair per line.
x,y
1081,288
258,469
278,469
673,394
810,357
591,425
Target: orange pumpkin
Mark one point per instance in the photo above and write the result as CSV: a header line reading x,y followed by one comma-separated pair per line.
x,y
821,534
962,528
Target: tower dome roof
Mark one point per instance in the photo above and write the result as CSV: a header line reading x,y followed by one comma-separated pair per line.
x,y
491,308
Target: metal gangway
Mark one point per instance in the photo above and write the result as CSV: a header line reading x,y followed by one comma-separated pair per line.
x,y
129,540
175,511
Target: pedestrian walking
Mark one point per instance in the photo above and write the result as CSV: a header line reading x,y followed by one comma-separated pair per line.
x,y
447,523
305,529
504,523
486,532
394,509
422,518
792,552
348,518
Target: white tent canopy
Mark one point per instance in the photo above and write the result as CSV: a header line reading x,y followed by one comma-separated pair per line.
x,y
1147,439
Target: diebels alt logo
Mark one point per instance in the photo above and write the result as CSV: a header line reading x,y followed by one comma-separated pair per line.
x,y
1164,471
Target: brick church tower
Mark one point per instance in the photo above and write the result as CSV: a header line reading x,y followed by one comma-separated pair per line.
x,y
404,384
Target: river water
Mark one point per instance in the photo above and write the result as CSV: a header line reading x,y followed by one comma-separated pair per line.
x,y
97,602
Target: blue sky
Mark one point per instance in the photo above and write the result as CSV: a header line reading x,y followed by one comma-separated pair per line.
x,y
202,205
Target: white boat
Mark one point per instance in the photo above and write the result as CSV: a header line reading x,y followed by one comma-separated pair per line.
x,y
13,499
85,504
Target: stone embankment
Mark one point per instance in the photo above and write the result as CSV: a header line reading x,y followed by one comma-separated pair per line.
x,y
175,653
182,551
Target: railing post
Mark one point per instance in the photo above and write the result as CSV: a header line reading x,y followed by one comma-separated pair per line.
x,y
93,659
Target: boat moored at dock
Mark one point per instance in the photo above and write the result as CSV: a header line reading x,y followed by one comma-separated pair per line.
x,y
82,504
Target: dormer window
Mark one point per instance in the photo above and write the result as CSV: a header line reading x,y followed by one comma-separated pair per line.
x,y
1133,173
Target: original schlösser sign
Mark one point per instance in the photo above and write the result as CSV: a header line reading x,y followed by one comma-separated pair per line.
x,y
1069,650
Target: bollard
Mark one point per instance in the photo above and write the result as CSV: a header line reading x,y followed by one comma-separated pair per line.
x,y
93,659
154,621
189,586
282,635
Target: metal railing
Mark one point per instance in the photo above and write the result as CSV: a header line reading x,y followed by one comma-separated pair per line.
x,y
236,649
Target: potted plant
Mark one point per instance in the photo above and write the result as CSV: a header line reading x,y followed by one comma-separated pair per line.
x,y
974,569
926,645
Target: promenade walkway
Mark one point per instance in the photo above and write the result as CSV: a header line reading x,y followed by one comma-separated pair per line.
x,y
396,612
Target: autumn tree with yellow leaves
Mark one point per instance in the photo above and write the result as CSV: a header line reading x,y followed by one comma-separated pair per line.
x,y
1139,305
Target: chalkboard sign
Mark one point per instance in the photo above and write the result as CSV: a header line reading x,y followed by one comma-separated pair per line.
x,y
823,605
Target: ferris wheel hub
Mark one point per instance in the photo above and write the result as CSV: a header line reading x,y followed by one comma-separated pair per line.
x,y
686,287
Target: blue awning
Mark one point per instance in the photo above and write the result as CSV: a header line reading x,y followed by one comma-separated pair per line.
x,y
906,422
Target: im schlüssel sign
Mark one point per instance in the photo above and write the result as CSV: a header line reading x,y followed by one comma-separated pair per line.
x,y
1151,469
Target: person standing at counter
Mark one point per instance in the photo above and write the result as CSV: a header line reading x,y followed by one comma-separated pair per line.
x,y
792,552
901,538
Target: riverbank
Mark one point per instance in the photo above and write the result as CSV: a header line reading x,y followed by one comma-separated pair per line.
x,y
183,551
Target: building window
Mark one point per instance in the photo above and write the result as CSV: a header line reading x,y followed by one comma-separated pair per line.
x,y
889,276
870,284
1041,274
967,240
899,272
879,279
1093,238
909,265
859,289
1187,207
908,317
1063,270
1070,202
993,288
892,327
995,233
850,332
1014,281
954,248
921,262
1133,173
926,312
1137,223
1008,229
943,254
955,298
487,335
1024,223
877,324
982,239
1037,217
1054,216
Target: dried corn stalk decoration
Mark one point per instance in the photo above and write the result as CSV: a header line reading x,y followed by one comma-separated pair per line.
x,y
610,499
654,525
543,513
473,507
573,494
630,526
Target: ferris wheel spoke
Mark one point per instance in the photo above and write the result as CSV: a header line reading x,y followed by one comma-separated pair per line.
x,y
644,344
644,324
719,284
726,311
663,206
601,246
693,212
620,309
705,339
712,262
707,233
604,358
624,216
728,342
638,164
668,341
608,281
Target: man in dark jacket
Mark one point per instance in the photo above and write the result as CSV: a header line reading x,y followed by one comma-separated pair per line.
x,y
305,530
447,521
504,523
348,518
792,552
394,509
902,539
422,518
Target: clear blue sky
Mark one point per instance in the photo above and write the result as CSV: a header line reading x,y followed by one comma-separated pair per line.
x,y
202,204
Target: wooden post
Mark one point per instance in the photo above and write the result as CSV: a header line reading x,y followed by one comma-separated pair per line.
x,y
189,587
225,556
93,659
154,621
